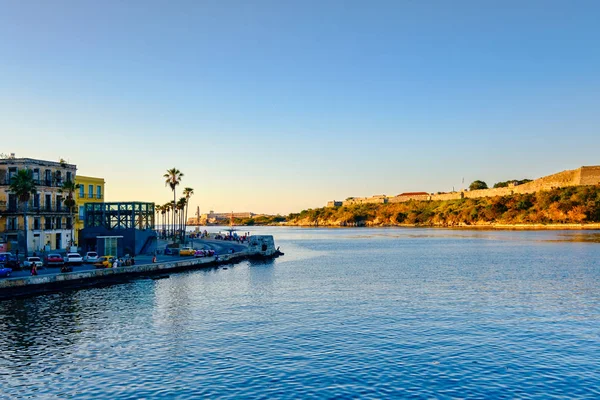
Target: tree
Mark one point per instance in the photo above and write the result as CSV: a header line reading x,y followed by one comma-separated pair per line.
x,y
172,179
187,192
23,186
69,188
477,185
180,207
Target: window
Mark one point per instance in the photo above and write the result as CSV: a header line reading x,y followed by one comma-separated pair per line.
x,y
69,176
36,175
12,202
37,223
12,223
59,201
48,177
69,223
36,200
82,191
98,192
12,171
47,223
81,212
91,191
58,224
48,202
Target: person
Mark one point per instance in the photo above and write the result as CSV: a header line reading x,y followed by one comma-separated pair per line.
x,y
132,261
154,259
115,263
34,269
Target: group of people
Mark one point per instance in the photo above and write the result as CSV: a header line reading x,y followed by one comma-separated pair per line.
x,y
127,262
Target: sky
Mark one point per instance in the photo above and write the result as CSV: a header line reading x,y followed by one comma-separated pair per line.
x,y
279,106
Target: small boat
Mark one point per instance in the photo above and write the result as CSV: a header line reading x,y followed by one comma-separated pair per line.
x,y
157,277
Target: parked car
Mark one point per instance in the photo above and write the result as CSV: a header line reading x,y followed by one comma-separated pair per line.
x,y
73,259
186,251
54,260
31,261
91,257
10,261
204,253
105,262
4,271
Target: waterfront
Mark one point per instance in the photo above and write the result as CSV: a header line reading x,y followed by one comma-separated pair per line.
x,y
345,313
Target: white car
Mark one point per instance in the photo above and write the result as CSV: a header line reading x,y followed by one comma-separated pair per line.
x,y
30,261
91,257
73,258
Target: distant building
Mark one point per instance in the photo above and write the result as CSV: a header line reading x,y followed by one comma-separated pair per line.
x,y
334,203
91,190
48,219
214,218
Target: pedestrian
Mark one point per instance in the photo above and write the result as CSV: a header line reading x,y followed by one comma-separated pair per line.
x,y
115,263
132,260
154,259
34,269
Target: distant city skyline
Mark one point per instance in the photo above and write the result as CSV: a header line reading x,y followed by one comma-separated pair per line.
x,y
274,107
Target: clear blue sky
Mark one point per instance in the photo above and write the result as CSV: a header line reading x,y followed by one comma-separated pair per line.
x,y
277,106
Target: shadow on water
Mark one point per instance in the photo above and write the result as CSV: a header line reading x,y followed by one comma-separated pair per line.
x,y
579,237
25,322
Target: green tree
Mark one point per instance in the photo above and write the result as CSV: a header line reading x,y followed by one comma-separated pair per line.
x,y
68,188
173,179
477,185
23,186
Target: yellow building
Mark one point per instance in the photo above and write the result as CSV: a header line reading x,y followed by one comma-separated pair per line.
x,y
91,190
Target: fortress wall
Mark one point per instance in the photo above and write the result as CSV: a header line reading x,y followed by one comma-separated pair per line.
x,y
561,179
401,199
446,196
590,175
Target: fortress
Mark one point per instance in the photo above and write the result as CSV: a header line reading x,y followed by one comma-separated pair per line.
x,y
576,177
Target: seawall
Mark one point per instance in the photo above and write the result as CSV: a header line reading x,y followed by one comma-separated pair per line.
x,y
258,246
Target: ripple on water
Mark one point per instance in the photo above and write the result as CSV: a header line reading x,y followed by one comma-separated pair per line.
x,y
424,315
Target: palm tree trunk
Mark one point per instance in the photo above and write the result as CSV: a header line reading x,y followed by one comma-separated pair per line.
x,y
71,214
174,205
185,219
25,227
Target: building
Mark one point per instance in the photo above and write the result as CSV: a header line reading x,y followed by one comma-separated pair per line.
x,y
118,228
48,219
91,190
214,218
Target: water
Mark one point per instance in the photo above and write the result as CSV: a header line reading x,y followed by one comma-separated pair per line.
x,y
346,313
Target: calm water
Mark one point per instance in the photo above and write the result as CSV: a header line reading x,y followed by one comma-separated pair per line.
x,y
361,313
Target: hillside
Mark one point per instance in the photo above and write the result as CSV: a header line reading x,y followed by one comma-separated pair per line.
x,y
569,205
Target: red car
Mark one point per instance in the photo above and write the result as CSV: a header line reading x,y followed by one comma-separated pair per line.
x,y
55,260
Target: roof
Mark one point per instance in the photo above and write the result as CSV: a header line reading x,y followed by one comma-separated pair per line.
x,y
414,194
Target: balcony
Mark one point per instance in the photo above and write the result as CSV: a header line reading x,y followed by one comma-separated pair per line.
x,y
38,182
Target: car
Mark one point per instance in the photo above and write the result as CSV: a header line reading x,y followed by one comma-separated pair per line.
x,y
204,253
54,260
10,261
31,261
186,251
91,257
105,262
73,259
4,271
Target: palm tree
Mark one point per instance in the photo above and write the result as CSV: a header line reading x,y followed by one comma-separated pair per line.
x,y
167,207
172,179
23,186
180,208
69,188
187,192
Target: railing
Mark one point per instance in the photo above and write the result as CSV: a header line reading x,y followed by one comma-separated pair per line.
x,y
38,182
34,210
